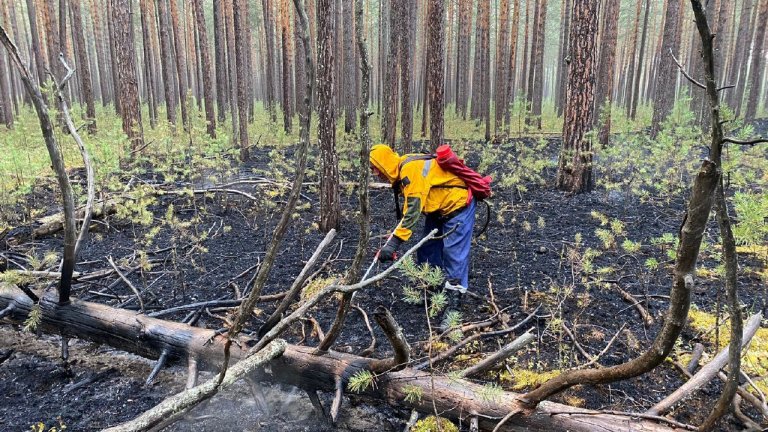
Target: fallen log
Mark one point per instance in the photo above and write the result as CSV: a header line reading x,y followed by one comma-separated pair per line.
x,y
456,399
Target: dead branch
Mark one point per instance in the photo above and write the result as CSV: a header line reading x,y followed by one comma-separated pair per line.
x,y
577,344
698,350
178,404
751,425
452,350
394,333
707,372
500,355
690,78
158,365
639,415
647,318
745,142
368,351
127,282
601,353
298,283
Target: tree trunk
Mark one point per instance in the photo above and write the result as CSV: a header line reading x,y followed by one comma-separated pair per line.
x,y
512,69
36,44
575,166
391,80
206,62
6,108
220,55
269,32
167,61
285,35
128,83
83,67
149,63
756,66
240,9
350,67
636,93
607,64
406,105
462,57
633,70
181,61
300,69
435,71
664,96
538,63
228,11
502,54
326,64
562,59
454,398
737,74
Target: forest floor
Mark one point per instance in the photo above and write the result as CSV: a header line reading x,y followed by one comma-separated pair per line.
x,y
541,247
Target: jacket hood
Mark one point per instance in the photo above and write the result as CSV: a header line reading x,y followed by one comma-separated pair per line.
x,y
385,160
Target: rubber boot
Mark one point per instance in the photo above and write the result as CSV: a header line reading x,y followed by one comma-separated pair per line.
x,y
453,305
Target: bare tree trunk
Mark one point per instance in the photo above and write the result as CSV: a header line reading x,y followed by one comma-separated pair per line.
x,y
575,167
435,71
36,44
6,106
240,8
269,32
562,62
756,67
606,66
502,54
350,66
326,62
391,80
737,74
83,67
406,105
181,61
664,96
463,56
206,60
285,35
512,70
167,62
128,83
636,93
149,63
220,53
538,63
300,70
232,59
633,70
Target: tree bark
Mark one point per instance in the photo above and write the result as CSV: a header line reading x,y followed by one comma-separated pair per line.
x,y
562,59
38,55
240,9
220,55
606,66
536,92
330,210
149,62
664,96
350,67
167,61
756,66
128,83
575,166
392,77
181,61
206,62
285,36
512,69
435,71
406,104
269,32
462,57
737,74
298,366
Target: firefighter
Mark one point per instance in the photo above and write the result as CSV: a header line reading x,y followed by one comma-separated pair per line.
x,y
448,206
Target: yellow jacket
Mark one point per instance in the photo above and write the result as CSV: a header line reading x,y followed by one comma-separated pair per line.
x,y
427,187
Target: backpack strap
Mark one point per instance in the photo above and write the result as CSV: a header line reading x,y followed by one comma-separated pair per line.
x,y
416,157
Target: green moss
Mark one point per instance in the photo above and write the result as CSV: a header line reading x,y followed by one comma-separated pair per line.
x,y
525,379
434,424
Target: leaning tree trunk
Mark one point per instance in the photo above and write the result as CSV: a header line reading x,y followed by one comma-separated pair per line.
x,y
454,398
574,174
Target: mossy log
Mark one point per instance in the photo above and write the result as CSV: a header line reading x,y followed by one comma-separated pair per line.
x,y
453,398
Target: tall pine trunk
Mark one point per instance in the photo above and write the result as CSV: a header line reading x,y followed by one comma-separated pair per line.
x,y
350,69
206,63
166,62
502,52
149,63
562,62
181,61
574,174
435,71
756,67
606,67
641,63
83,67
240,9
664,96
128,83
220,54
326,59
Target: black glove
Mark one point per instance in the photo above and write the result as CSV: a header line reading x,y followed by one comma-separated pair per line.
x,y
387,253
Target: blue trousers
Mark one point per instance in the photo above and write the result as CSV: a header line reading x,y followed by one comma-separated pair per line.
x,y
452,252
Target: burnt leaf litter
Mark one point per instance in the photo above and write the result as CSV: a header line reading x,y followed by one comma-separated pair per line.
x,y
565,253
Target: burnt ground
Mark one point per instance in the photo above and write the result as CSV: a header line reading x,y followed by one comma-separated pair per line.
x,y
527,257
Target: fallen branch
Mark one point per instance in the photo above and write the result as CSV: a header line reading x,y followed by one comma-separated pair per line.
x,y
500,355
610,342
707,372
127,282
178,404
647,318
